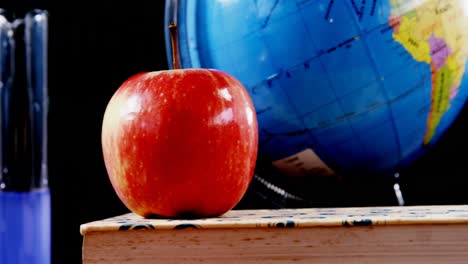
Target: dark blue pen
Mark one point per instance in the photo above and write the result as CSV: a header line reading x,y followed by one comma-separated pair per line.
x,y
24,195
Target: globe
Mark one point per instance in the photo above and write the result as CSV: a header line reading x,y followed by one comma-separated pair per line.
x,y
339,86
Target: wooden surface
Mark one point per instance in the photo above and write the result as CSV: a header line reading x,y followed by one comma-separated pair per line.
x,y
310,217
383,235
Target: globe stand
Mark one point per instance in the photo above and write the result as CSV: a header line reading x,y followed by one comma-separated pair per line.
x,y
271,189
397,189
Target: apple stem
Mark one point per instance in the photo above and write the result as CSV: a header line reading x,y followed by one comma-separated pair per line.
x,y
174,45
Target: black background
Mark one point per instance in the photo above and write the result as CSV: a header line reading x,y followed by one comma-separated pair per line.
x,y
93,49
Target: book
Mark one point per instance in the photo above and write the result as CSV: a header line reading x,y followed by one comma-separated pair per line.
x,y
406,234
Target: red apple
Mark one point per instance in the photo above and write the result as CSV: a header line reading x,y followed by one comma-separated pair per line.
x,y
180,142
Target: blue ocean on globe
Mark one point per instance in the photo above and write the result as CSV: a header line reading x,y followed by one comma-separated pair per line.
x,y
349,86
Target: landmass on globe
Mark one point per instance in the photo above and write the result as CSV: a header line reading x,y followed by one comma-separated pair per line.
x,y
420,26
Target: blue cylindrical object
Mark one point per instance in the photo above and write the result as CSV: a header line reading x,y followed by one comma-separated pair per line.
x,y
25,231
25,212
